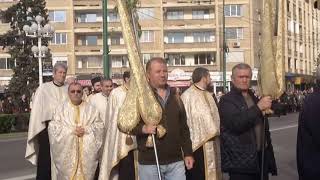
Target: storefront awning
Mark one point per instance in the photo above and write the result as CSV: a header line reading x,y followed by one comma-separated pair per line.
x,y
179,83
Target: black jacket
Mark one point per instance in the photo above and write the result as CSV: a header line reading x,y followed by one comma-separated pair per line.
x,y
238,140
308,140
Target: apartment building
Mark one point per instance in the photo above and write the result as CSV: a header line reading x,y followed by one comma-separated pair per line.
x,y
187,33
302,42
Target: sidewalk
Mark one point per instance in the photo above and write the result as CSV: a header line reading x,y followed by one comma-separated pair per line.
x,y
13,136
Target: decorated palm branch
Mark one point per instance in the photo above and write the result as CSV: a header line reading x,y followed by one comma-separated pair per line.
x,y
271,73
140,102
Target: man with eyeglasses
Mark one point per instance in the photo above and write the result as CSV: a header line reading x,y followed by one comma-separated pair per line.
x,y
76,135
47,97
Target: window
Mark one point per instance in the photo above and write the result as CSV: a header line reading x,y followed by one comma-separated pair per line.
x,y
200,14
92,40
119,61
147,57
204,58
176,37
146,13
59,38
234,33
91,18
115,39
234,10
90,62
89,40
177,14
3,63
59,59
147,36
235,56
176,60
57,16
203,37
113,17
7,63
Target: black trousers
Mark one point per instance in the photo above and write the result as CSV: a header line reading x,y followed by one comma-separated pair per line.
x,y
126,167
44,158
198,171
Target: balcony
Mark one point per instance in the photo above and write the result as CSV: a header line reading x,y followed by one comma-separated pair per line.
x,y
189,24
88,50
89,25
190,47
85,4
89,70
187,3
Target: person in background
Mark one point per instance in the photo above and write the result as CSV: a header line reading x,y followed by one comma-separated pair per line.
x,y
242,131
117,164
46,99
308,139
204,123
8,105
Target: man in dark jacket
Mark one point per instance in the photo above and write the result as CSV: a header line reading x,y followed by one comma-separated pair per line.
x,y
175,148
308,144
243,129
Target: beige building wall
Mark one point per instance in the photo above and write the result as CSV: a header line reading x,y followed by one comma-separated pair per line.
x,y
187,33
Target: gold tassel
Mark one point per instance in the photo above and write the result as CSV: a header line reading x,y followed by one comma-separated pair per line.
x,y
129,140
149,142
161,131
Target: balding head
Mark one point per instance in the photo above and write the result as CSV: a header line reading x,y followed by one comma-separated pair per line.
x,y
157,72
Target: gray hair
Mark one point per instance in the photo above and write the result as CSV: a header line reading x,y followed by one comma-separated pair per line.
x,y
60,65
240,66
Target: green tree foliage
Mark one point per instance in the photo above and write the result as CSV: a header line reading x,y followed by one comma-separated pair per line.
x,y
25,79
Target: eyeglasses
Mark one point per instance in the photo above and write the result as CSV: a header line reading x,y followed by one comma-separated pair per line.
x,y
74,91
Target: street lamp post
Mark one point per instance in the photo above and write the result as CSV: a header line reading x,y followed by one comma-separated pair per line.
x,y
36,30
224,44
106,64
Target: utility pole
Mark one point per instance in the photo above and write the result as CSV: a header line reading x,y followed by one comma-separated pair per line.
x,y
106,64
224,48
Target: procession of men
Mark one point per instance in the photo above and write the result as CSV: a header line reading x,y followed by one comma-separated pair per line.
x,y
72,137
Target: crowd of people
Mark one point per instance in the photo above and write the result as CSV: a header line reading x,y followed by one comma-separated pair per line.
x,y
74,134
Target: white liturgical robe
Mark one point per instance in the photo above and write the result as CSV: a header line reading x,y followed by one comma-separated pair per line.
x,y
115,147
46,99
100,101
75,157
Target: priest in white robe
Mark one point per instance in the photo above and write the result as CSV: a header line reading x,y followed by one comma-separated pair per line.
x,y
204,124
100,100
45,100
75,134
118,155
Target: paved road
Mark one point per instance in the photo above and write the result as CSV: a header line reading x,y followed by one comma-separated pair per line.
x,y
283,130
284,137
12,159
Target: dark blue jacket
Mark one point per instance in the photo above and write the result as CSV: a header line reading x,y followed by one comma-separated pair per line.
x,y
308,140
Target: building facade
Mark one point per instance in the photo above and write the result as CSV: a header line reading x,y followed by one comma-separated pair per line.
x,y
187,33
